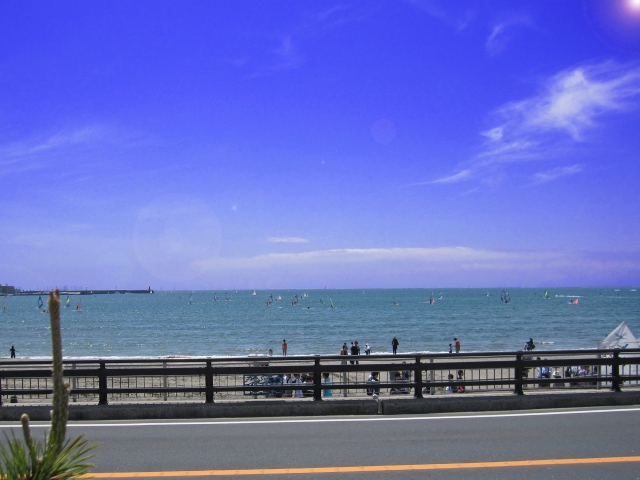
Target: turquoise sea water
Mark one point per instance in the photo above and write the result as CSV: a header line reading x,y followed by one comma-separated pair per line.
x,y
166,324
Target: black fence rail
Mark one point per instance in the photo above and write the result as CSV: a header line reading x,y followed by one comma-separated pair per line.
x,y
203,379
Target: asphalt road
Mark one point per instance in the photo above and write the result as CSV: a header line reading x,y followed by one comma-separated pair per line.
x,y
376,441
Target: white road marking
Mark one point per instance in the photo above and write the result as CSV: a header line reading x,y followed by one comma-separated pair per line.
x,y
332,420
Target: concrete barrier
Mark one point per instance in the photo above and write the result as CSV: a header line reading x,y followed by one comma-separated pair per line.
x,y
406,406
202,410
457,404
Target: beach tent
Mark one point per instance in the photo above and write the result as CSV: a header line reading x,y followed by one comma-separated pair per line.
x,y
621,337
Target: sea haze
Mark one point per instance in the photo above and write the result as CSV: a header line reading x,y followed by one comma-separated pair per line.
x,y
184,323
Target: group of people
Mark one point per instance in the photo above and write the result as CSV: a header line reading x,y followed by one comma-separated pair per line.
x,y
455,386
355,348
456,345
300,379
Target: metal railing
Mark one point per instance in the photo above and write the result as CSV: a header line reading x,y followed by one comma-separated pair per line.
x,y
203,379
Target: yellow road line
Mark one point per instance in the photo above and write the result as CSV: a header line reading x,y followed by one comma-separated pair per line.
x,y
366,468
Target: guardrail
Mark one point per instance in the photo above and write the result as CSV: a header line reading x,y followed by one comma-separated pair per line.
x,y
206,378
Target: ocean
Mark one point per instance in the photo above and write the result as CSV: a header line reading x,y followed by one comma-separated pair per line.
x,y
183,323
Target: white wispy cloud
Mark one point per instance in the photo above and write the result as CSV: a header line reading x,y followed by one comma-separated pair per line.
x,y
37,145
285,56
555,120
459,20
456,177
502,33
443,255
549,175
287,240
441,260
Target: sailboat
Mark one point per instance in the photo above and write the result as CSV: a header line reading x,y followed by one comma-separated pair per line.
x,y
546,295
254,293
332,305
487,294
294,300
190,297
321,300
269,301
504,297
279,298
440,296
79,306
574,301
40,303
432,300
394,302
4,304
215,297
67,302
226,297
304,295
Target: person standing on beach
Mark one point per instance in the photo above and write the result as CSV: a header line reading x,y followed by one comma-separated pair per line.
x,y
284,348
394,344
450,348
12,351
344,351
355,350
457,344
367,349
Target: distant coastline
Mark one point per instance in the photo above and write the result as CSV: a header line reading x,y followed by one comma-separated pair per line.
x,y
18,292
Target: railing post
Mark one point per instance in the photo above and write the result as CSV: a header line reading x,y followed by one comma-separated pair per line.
x,y
102,384
518,375
317,380
432,377
615,371
74,383
164,381
208,379
0,391
418,377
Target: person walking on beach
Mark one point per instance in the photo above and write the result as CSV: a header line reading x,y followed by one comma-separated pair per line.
x,y
457,344
12,351
284,348
394,344
367,349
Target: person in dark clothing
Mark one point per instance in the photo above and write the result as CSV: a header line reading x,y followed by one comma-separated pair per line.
x,y
529,346
355,350
394,344
12,350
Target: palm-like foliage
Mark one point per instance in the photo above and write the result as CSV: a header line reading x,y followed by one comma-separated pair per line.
x,y
54,458
38,461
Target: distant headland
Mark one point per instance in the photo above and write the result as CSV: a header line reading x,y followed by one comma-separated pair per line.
x,y
11,290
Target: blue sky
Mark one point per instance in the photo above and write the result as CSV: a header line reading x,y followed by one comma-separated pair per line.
x,y
213,145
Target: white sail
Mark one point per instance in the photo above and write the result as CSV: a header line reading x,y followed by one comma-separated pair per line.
x,y
621,337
